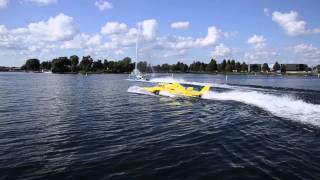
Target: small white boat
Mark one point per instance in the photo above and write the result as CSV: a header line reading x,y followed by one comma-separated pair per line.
x,y
136,75
47,72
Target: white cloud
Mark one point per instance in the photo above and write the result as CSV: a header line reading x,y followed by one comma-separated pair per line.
x,y
14,43
291,24
82,41
211,38
309,53
122,37
149,29
302,48
103,5
95,40
114,28
221,51
3,29
4,3
8,40
230,34
60,32
180,42
260,53
261,56
126,39
98,52
37,38
58,28
171,45
258,41
119,42
180,25
42,2
175,43
181,52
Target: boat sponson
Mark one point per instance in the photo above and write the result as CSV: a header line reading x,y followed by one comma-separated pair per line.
x,y
177,89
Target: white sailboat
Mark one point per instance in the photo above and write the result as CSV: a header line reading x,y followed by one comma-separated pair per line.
x,y
136,75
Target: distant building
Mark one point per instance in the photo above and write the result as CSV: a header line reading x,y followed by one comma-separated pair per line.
x,y
15,69
254,67
3,69
296,67
11,69
317,68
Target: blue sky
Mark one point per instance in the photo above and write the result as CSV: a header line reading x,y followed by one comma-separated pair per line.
x,y
169,30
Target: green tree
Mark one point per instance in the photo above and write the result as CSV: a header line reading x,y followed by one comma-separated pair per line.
x,y
283,68
181,67
45,65
60,65
111,66
32,65
192,66
244,67
233,65
97,66
265,67
212,66
202,67
165,67
223,65
142,66
74,62
106,65
238,67
86,63
228,67
125,65
65,60
157,68
197,66
276,66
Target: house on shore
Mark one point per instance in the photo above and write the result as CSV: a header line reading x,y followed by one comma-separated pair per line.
x,y
15,69
3,69
9,69
254,67
296,67
316,69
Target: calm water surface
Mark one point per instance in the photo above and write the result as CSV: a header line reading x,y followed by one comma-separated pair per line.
x,y
105,127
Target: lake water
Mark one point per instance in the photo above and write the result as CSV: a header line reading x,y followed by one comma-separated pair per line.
x,y
105,127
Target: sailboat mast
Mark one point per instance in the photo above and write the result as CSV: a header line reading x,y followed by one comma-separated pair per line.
x,y
137,40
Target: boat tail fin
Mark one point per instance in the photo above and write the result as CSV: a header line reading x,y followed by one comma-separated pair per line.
x,y
205,89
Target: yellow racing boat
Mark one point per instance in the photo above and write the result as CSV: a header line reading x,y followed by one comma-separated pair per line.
x,y
177,89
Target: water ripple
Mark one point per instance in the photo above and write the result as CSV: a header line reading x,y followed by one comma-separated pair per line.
x,y
76,127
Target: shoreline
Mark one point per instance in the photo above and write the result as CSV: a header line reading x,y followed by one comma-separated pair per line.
x,y
169,73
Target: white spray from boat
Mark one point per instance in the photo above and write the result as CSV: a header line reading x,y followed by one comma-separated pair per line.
x,y
281,106
138,90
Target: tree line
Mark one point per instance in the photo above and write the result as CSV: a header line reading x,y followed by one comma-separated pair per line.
x,y
73,64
